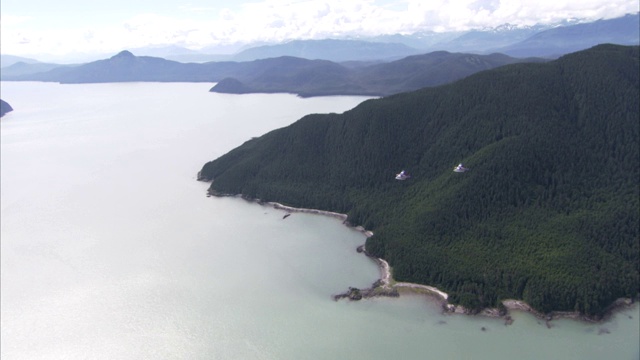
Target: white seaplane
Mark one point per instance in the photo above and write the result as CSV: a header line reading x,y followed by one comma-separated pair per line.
x,y
402,175
460,168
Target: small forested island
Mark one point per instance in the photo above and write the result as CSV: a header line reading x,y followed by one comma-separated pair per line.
x,y
548,211
4,108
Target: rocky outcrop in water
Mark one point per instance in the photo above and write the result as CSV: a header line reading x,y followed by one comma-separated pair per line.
x,y
377,289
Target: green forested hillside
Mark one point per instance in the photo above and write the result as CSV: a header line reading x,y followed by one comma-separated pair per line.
x,y
548,212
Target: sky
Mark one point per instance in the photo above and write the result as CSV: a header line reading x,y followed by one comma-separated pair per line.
x,y
58,27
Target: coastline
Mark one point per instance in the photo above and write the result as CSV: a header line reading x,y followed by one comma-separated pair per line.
x,y
387,286
391,286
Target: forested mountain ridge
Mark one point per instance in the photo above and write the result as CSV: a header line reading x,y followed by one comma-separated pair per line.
x,y
320,77
283,74
548,213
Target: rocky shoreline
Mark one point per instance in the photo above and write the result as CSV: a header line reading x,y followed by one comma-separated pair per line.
x,y
387,287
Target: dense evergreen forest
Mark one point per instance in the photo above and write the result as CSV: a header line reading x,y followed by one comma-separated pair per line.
x,y
548,213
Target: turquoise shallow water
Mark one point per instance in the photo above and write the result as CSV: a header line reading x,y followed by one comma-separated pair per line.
x,y
110,248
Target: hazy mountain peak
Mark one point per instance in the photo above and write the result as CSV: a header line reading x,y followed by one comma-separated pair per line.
x,y
124,54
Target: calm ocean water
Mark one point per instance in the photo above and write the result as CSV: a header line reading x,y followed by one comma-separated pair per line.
x,y
111,250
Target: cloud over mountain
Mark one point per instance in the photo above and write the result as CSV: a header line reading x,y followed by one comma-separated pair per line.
x,y
28,31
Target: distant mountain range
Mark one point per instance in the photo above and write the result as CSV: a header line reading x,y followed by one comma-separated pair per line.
x,y
517,41
281,74
360,68
22,68
330,49
565,39
537,41
321,77
8,60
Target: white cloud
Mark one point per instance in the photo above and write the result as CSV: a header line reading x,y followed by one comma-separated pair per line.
x,y
13,20
277,20
467,14
281,20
